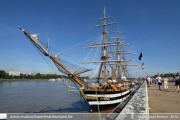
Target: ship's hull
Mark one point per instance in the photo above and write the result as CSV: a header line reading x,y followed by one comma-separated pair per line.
x,y
116,97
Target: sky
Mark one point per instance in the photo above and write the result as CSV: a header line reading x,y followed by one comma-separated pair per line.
x,y
151,26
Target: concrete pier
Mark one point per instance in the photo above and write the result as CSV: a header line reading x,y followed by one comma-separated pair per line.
x,y
136,106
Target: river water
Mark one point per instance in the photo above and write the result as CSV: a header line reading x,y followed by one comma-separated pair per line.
x,y
40,97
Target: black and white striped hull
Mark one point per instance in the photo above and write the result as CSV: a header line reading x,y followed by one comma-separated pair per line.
x,y
116,97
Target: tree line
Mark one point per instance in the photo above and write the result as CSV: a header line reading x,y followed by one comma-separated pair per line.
x,y
165,75
4,75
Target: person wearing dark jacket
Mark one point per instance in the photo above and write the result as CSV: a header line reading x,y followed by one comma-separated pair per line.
x,y
177,82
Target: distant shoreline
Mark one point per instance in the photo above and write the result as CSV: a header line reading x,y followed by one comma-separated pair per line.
x,y
23,79
28,79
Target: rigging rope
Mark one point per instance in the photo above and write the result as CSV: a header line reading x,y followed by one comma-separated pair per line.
x,y
97,49
130,67
78,44
71,50
86,56
90,51
96,69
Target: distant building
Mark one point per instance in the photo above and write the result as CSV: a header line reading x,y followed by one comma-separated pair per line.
x,y
174,74
31,74
43,74
169,74
14,73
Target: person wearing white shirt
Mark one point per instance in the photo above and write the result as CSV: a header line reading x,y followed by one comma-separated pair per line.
x,y
159,80
148,79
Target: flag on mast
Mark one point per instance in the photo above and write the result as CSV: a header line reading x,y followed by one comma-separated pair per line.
x,y
142,64
143,69
47,44
140,56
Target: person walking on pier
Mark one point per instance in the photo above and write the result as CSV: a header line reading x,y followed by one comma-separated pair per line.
x,y
165,80
159,80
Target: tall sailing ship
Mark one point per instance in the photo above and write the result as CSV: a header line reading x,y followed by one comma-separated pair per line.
x,y
113,89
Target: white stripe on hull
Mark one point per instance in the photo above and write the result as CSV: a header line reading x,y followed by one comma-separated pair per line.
x,y
108,95
107,102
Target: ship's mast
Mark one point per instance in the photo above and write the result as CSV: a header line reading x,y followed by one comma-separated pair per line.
x,y
121,63
118,52
104,37
118,48
105,40
124,67
104,55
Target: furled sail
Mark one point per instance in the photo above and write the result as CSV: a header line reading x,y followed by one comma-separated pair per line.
x,y
41,46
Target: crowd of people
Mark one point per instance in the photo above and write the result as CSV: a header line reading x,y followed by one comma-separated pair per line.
x,y
158,80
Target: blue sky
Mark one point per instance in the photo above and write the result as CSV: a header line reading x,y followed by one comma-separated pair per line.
x,y
152,26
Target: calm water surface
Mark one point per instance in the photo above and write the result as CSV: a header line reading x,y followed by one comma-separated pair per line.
x,y
39,97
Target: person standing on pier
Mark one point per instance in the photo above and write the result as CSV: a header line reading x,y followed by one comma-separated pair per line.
x,y
174,80
153,81
165,80
148,80
177,82
159,80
